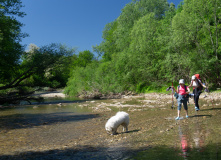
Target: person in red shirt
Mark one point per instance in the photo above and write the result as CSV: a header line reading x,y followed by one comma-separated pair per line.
x,y
182,91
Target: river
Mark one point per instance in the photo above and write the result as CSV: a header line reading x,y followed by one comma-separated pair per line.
x,y
74,129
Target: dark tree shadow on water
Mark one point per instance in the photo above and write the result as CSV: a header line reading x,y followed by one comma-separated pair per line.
x,y
81,153
211,151
17,121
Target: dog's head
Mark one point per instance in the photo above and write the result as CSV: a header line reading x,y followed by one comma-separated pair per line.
x,y
109,130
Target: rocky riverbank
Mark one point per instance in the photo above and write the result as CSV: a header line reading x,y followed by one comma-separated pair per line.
x,y
136,102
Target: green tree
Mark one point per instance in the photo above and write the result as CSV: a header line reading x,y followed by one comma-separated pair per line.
x,y
196,35
39,65
82,79
145,47
83,59
131,13
10,38
151,44
108,45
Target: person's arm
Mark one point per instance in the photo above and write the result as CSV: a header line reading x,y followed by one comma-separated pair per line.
x,y
190,84
188,90
202,84
175,89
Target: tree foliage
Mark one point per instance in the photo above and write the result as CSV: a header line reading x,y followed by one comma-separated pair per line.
x,y
41,66
149,45
152,43
48,65
83,59
10,37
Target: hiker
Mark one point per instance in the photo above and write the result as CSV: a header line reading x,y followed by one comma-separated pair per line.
x,y
183,92
197,90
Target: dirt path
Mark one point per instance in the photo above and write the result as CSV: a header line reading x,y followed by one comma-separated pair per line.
x,y
152,129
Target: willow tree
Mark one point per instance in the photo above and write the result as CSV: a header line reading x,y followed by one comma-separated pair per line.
x,y
197,37
133,12
145,46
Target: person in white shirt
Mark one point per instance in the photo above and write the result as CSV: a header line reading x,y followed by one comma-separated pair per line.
x,y
197,90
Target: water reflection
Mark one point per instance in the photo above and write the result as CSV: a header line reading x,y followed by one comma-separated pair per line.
x,y
58,110
184,142
199,137
192,140
18,121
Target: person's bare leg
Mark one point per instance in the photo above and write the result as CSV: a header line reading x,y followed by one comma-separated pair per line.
x,y
178,113
186,113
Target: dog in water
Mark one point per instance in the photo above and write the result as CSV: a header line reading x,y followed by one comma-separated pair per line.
x,y
121,118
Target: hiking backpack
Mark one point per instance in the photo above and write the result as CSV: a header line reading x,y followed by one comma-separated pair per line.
x,y
198,78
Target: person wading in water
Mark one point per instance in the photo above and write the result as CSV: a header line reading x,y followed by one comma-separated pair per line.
x,y
197,85
183,93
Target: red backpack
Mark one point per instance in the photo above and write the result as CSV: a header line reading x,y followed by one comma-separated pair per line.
x,y
198,78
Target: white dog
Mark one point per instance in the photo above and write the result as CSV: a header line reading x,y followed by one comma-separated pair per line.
x,y
121,118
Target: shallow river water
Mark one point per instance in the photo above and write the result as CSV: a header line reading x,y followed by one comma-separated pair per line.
x,y
74,129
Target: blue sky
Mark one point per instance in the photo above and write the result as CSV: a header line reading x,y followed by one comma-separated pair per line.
x,y
76,23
